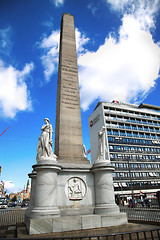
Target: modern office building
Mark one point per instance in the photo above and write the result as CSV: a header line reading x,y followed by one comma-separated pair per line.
x,y
133,139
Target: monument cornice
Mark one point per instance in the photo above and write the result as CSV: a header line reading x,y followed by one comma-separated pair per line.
x,y
76,167
102,166
47,165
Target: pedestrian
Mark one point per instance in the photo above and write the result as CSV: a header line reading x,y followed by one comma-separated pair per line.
x,y
146,201
142,203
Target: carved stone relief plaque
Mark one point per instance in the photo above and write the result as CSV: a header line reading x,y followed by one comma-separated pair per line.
x,y
75,188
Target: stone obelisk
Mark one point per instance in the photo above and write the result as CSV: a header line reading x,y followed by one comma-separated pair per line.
x,y
66,193
68,133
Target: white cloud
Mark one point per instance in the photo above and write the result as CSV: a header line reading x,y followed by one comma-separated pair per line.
x,y
14,95
48,23
119,5
143,10
50,46
5,41
131,6
92,7
81,40
57,3
126,69
9,186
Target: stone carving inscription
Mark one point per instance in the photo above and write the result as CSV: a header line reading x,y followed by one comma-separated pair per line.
x,y
75,188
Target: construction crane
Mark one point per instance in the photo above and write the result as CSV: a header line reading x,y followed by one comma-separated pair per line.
x,y
4,131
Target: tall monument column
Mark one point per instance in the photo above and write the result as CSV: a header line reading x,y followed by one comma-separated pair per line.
x,y
68,193
68,133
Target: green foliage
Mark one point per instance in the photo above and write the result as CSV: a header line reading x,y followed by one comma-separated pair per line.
x,y
7,197
14,199
26,200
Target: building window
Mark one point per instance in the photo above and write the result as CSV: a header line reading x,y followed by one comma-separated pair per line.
x,y
133,157
112,139
109,132
141,135
115,132
135,134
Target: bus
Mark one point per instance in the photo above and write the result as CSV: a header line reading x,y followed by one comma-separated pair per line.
x,y
3,202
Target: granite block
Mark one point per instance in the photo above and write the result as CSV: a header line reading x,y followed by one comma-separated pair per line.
x,y
38,226
91,221
69,223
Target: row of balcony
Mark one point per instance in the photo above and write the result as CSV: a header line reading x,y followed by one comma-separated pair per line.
x,y
134,151
137,187
132,114
132,127
136,166
132,134
140,122
133,141
152,178
115,157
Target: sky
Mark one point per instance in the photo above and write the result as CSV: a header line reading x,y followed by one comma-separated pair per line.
x,y
118,51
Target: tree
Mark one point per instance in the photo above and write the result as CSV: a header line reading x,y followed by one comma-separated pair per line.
x,y
7,197
14,199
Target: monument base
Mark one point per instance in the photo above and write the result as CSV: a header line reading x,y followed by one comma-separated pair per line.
x,y
81,197
106,209
70,223
42,212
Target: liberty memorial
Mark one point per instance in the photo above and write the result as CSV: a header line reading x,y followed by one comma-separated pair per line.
x,y
67,192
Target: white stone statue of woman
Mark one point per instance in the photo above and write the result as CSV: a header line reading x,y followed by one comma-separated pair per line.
x,y
44,147
101,155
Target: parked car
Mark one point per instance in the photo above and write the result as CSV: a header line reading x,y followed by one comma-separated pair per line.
x,y
3,202
25,204
19,204
12,204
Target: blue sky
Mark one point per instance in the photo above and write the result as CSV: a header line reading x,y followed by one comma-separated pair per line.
x,y
118,48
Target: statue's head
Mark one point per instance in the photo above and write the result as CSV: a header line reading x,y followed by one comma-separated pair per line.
x,y
46,120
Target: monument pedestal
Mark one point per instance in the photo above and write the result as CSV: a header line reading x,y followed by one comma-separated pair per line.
x,y
104,191
44,189
33,176
71,223
72,197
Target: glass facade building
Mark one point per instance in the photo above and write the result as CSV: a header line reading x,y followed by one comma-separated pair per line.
x,y
133,143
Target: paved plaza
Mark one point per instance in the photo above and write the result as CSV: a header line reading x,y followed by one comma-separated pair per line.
x,y
20,231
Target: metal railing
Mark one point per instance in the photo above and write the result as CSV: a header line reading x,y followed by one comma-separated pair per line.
x,y
11,216
136,235
142,214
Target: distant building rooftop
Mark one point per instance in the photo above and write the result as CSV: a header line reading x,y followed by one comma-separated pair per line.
x,y
142,105
149,106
